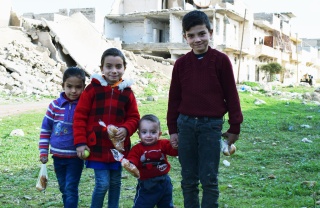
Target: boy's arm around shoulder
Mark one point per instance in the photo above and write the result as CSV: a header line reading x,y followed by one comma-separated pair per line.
x,y
167,148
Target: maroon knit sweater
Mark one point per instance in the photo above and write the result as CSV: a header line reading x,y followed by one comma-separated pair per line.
x,y
142,156
204,87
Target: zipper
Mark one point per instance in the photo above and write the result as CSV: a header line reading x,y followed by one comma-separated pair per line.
x,y
109,113
70,106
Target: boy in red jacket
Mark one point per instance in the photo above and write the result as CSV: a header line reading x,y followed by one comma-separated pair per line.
x,y
150,157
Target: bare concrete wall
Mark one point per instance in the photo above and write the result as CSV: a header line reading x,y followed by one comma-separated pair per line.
x,y
176,34
264,16
113,29
158,31
89,13
141,5
133,32
175,3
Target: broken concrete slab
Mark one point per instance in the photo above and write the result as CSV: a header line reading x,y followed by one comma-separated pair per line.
x,y
6,34
80,40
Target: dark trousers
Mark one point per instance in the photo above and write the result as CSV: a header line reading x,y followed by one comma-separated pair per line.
x,y
154,192
68,172
199,156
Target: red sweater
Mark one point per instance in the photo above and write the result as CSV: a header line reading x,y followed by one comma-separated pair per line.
x,y
204,87
152,161
112,105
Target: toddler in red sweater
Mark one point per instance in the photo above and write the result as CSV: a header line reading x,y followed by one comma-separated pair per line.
x,y
154,186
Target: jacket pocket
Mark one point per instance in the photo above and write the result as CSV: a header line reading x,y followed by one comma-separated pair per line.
x,y
92,139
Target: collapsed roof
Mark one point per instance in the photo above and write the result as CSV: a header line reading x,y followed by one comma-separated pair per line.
x,y
80,40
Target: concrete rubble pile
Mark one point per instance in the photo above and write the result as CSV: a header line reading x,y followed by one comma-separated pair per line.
x,y
28,69
34,56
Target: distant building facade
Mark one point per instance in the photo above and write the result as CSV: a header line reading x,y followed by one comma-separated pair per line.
x,y
249,39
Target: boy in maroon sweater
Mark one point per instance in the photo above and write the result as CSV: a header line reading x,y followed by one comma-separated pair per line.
x,y
202,91
150,157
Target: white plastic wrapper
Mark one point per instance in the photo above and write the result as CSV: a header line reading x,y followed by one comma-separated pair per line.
x,y
112,130
131,168
42,181
226,149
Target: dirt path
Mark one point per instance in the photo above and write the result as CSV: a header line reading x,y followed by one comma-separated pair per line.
x,y
16,108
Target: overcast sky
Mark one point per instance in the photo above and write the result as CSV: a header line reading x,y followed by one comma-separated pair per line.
x,y
306,23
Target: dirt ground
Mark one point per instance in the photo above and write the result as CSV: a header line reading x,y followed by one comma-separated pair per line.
x,y
10,108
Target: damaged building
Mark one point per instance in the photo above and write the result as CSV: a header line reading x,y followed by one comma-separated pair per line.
x,y
154,30
35,51
249,39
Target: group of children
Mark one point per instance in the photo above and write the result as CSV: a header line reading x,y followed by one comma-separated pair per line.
x,y
72,125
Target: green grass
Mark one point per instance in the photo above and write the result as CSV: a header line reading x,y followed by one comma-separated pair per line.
x,y
270,145
298,89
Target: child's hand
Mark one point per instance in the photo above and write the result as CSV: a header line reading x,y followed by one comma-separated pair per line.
x,y
174,140
44,159
231,138
121,134
80,151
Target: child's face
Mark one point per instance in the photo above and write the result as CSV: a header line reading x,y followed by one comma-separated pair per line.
x,y
112,69
198,38
149,132
73,87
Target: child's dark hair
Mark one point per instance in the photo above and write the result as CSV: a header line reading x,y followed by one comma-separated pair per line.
x,y
150,117
194,18
74,72
113,52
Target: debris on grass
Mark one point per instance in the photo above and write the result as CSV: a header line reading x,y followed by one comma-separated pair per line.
x,y
306,140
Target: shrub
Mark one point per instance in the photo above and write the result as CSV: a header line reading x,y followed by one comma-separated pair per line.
x,y
272,68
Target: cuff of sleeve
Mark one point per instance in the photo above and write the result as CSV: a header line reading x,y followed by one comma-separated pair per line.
x,y
234,129
43,155
80,144
172,130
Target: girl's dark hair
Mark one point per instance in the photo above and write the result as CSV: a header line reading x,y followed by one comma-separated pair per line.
x,y
113,52
194,18
150,117
74,72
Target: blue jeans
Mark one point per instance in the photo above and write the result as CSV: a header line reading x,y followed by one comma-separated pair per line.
x,y
154,192
68,172
199,156
106,180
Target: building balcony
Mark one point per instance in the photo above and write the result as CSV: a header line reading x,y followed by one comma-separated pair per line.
x,y
266,51
232,48
234,12
227,47
264,24
157,48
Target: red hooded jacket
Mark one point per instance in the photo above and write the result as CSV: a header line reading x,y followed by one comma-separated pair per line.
x,y
111,104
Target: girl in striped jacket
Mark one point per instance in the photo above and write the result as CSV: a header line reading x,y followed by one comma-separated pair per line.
x,y
57,132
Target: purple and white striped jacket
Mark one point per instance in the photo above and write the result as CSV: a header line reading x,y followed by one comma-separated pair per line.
x,y
56,129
